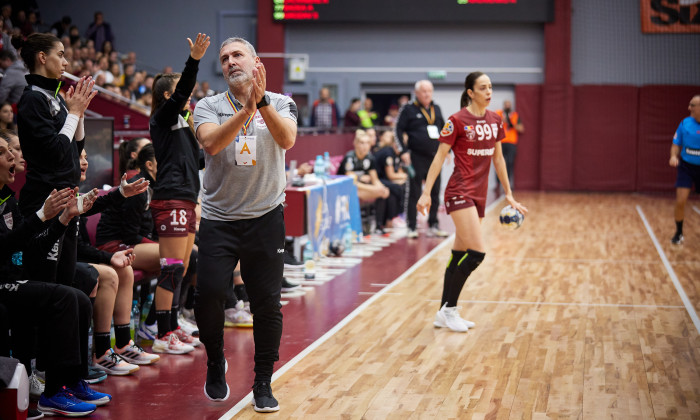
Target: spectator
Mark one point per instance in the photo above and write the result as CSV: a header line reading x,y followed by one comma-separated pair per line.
x,y
361,163
5,39
99,31
61,27
74,34
324,112
102,69
352,120
392,116
7,17
393,177
7,117
13,82
368,118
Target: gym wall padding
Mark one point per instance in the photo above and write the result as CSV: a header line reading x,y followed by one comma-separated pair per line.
x,y
527,166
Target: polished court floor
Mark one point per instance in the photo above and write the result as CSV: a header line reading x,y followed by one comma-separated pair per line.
x,y
587,312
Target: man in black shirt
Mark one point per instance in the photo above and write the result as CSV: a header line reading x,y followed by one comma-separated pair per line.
x,y
420,121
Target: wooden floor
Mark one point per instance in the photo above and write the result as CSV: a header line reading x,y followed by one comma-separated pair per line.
x,y
577,317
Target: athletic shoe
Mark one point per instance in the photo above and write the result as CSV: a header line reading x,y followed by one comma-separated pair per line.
x,y
34,414
147,332
135,354
216,388
189,327
113,364
95,375
36,387
436,232
170,344
263,401
66,404
449,317
84,393
186,338
290,261
238,316
289,286
188,314
412,234
677,239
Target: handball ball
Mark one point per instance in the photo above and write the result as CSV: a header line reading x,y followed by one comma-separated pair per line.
x,y
511,218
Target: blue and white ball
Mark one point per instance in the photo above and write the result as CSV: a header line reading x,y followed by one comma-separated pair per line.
x,y
511,218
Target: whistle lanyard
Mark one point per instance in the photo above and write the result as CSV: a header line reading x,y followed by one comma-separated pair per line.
x,y
431,118
236,109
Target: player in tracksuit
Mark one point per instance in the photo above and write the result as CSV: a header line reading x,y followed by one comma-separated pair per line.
x,y
474,135
52,136
175,194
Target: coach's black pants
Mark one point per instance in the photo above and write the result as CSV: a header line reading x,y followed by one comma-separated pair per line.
x,y
421,164
259,245
62,316
58,265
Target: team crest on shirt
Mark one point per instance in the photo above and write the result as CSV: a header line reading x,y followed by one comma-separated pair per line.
x,y
349,166
9,222
365,164
259,121
447,129
470,132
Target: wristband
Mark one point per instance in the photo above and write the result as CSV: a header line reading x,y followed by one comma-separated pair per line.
x,y
70,126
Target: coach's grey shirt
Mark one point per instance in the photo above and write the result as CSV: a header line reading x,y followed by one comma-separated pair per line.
x,y
234,192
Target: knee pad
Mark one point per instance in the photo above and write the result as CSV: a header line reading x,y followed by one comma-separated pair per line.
x,y
470,261
171,276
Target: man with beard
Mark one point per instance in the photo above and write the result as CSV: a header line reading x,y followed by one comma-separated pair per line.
x,y
244,133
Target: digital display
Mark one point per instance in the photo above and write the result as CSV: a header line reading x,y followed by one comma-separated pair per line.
x,y
413,10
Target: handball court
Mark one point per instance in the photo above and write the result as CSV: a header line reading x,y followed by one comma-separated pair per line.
x,y
586,311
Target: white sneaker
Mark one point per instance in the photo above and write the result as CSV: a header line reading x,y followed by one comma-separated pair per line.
x,y
136,355
436,232
36,387
188,314
238,317
170,344
449,317
113,364
186,338
412,234
189,327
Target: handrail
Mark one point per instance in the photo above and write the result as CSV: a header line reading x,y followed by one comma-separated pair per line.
x,y
109,93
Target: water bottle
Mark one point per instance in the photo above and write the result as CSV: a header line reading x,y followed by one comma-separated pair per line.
x,y
135,318
347,238
319,167
309,263
327,164
112,337
146,307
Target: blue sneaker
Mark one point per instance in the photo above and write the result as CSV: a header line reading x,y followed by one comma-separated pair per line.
x,y
65,404
83,392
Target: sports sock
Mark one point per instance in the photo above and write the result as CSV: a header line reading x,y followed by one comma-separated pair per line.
x,y
163,318
464,267
173,317
151,317
679,227
122,335
102,343
451,264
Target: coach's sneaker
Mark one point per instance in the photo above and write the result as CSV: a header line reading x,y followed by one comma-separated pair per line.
x,y
113,364
289,286
84,393
677,239
36,387
449,317
95,375
65,403
134,354
34,414
170,344
238,316
187,325
263,401
216,388
412,234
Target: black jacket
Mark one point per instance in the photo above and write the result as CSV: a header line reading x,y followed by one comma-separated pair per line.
x,y
177,150
413,122
130,222
53,160
17,233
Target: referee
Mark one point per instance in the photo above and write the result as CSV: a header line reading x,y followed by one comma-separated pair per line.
x,y
421,121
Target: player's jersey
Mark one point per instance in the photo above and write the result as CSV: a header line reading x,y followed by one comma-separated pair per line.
x,y
473,140
351,163
688,138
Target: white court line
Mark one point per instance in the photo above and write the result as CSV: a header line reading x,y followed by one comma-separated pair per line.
x,y
684,298
697,210
378,284
245,401
617,305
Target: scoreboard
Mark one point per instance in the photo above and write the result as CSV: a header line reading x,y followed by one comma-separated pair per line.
x,y
436,11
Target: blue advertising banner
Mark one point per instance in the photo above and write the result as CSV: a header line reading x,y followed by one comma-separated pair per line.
x,y
333,211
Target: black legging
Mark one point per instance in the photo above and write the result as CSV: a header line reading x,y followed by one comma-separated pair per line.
x,y
421,165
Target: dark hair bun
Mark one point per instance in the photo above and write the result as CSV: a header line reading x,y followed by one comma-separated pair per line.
x,y
17,41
